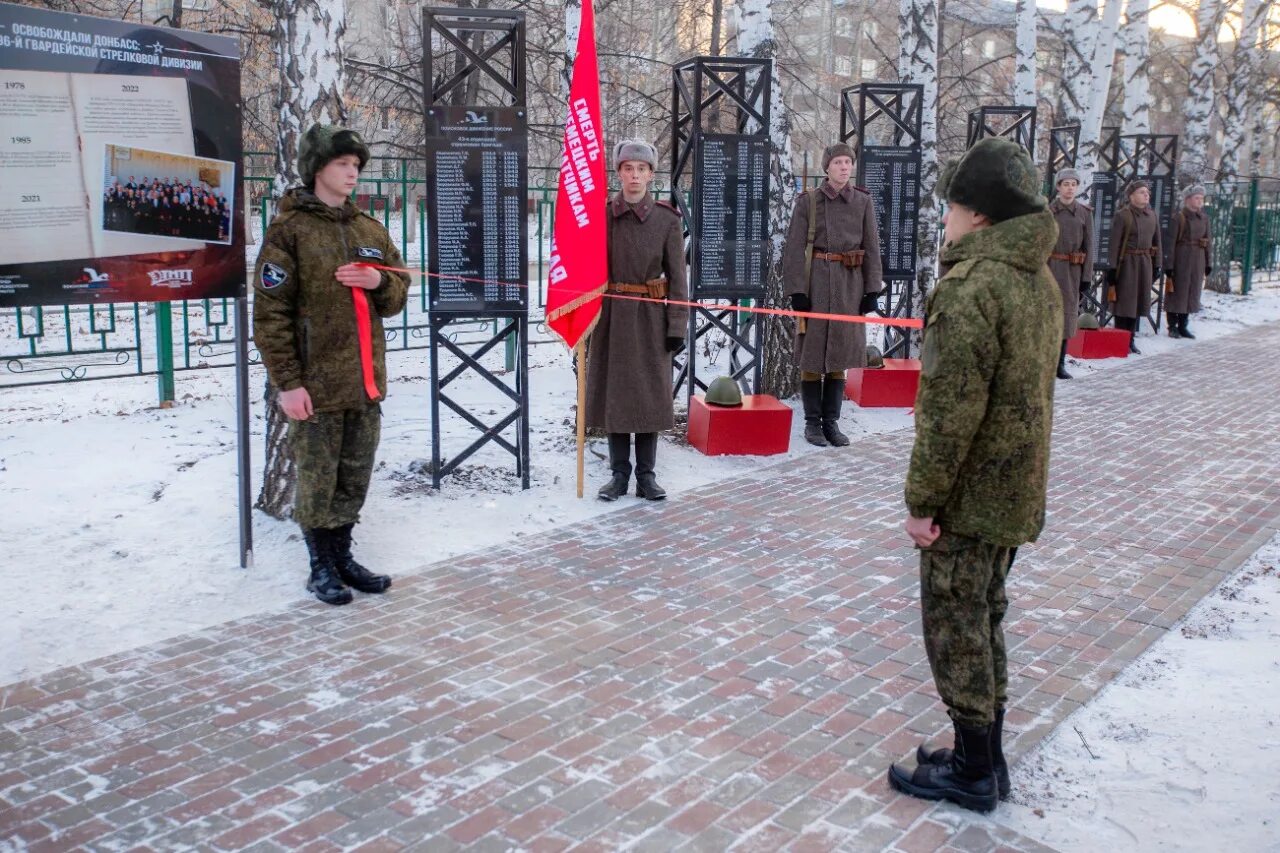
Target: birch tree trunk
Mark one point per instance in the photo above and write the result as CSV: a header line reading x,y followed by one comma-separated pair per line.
x,y
1024,54
918,63
1104,60
1199,105
757,40
1079,38
1137,67
1242,84
309,36
572,20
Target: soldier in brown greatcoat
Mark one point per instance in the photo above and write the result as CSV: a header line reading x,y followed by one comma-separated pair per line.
x,y
629,353
831,264
1187,261
1071,262
1135,259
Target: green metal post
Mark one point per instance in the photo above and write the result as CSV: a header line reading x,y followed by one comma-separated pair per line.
x,y
1246,272
164,352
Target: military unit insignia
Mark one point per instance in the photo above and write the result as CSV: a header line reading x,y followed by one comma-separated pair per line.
x,y
273,276
369,252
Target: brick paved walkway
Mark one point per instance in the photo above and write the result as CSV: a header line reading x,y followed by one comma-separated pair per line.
x,y
735,669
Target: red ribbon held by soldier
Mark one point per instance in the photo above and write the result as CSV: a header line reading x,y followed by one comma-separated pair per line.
x,y
904,323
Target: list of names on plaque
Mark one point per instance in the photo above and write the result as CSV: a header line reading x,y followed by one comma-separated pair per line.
x,y
476,208
892,176
731,217
1102,197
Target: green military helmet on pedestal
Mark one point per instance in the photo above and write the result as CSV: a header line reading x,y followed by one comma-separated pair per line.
x,y
1087,321
875,358
723,391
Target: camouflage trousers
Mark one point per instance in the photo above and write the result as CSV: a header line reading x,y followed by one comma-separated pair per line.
x,y
963,602
333,453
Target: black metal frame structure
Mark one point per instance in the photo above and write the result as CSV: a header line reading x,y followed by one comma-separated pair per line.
x,y
884,119
1153,157
1064,146
465,30
1102,194
1016,123
705,90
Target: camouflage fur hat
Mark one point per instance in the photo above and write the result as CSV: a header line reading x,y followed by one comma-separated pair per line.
x,y
324,142
995,178
635,149
831,152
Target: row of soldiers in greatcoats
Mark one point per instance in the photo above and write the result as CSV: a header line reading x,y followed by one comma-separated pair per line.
x,y
1136,260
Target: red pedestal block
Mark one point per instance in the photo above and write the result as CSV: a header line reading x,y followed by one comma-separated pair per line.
x,y
761,426
1099,343
893,385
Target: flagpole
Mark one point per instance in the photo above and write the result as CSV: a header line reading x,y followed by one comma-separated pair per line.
x,y
580,352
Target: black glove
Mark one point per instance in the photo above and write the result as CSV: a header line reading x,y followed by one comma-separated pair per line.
x,y
1113,276
1169,272
800,302
674,344
870,302
1208,270
1158,272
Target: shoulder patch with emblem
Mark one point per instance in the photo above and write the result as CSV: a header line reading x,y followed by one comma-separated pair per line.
x,y
273,276
369,252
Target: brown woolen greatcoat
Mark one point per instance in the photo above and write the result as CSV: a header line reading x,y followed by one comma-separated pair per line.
x,y
1134,273
1188,261
628,366
1075,234
846,220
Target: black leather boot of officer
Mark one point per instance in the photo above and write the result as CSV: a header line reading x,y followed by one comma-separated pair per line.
x,y
811,396
352,573
1183,319
1062,362
646,458
324,582
832,398
968,779
1175,330
620,465
941,756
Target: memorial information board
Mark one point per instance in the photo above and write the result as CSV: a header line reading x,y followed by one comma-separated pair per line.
x,y
730,218
892,176
1102,197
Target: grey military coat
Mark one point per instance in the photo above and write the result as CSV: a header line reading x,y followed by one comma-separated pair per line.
x,y
1075,236
1136,260
1190,254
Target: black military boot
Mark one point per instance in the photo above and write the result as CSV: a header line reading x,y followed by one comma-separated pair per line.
x,y
620,465
646,458
1183,319
324,582
811,396
942,756
1132,324
832,398
1062,362
967,780
352,573
1175,330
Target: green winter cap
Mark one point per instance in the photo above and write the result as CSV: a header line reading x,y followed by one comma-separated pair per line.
x,y
995,177
324,142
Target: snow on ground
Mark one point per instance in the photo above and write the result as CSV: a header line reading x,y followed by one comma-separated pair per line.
x,y
1180,751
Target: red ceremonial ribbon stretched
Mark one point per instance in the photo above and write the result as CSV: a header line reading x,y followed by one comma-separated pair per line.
x,y
899,322
364,334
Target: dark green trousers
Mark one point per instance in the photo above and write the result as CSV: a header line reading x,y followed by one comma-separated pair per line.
x,y
333,453
963,602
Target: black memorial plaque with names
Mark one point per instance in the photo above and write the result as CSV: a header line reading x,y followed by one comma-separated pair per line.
x,y
892,176
476,197
1102,198
730,218
1162,191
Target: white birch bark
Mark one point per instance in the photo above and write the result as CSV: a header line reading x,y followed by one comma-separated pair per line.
x,y
1199,104
758,40
1079,38
918,63
1137,67
1104,60
1242,86
572,21
1024,54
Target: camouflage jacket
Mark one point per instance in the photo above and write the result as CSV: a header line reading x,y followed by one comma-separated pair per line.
x,y
304,321
984,410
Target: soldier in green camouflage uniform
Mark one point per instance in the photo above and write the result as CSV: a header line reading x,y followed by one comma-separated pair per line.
x,y
317,313
979,470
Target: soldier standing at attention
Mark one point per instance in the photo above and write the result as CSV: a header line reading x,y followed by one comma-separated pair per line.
x,y
1071,261
317,322
629,353
831,265
979,469
1187,261
1135,259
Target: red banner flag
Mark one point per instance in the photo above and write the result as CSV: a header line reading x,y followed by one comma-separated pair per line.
x,y
579,260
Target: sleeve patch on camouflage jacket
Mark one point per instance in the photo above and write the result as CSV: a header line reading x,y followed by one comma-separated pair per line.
x,y
369,252
931,349
273,276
